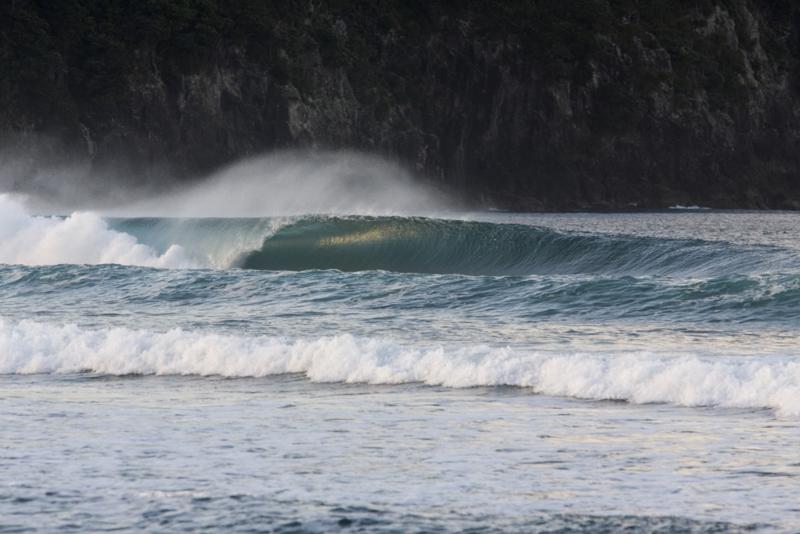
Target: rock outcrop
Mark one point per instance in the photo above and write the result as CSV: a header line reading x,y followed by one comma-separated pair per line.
x,y
579,104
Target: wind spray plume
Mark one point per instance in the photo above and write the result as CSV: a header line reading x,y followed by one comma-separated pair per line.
x,y
299,183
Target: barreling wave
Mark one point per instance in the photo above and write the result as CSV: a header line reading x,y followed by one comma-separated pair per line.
x,y
365,243
422,245
688,380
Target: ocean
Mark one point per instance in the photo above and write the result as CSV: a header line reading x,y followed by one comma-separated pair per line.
x,y
445,372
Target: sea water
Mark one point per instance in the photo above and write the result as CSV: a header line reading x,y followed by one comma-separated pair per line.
x,y
462,372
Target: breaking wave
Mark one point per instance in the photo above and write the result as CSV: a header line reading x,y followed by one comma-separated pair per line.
x,y
81,238
642,377
365,243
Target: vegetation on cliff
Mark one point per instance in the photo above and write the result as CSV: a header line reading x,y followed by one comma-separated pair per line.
x,y
527,104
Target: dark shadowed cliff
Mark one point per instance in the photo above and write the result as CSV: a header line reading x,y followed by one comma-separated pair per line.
x,y
534,104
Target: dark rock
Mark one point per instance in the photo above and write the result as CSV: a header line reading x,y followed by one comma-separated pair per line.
x,y
580,104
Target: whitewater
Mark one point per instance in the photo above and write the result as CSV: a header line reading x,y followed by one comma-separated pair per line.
x,y
394,364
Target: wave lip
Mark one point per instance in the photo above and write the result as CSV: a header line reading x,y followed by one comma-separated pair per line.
x,y
688,380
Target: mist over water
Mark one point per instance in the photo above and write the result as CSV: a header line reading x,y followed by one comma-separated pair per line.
x,y
290,182
298,183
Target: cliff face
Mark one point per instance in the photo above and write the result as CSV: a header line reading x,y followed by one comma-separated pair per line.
x,y
568,105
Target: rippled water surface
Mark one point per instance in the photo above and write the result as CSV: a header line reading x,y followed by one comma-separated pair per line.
x,y
484,372
248,453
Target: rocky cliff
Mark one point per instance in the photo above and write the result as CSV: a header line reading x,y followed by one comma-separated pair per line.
x,y
575,104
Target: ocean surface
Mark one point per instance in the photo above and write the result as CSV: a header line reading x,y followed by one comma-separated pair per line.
x,y
381,373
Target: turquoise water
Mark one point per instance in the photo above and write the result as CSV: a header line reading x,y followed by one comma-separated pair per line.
x,y
481,371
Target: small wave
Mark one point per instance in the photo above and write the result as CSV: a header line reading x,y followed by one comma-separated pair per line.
x,y
687,380
772,299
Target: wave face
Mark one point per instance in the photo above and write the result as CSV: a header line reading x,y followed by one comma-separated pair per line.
x,y
688,380
420,245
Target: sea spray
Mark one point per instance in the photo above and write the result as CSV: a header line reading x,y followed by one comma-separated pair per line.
x,y
364,243
297,183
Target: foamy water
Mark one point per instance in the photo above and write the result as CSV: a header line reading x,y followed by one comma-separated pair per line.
x,y
687,380
81,238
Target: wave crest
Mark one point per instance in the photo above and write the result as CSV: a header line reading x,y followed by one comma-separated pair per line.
x,y
688,380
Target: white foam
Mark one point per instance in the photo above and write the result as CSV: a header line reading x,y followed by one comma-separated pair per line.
x,y
693,207
688,380
81,238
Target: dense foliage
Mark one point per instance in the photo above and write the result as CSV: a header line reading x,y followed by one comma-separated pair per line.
x,y
94,43
74,60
